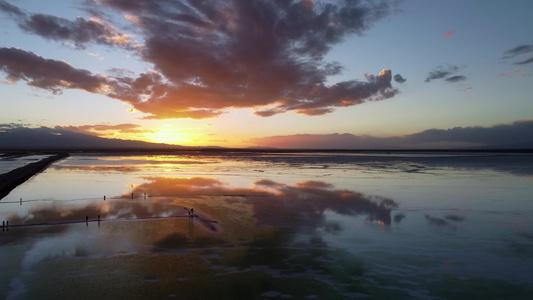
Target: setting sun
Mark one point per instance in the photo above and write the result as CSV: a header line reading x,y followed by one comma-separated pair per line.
x,y
170,135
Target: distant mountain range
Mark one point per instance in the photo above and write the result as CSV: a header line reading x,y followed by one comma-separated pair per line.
x,y
502,137
58,139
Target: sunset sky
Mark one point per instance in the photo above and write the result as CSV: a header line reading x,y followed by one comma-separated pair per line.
x,y
281,73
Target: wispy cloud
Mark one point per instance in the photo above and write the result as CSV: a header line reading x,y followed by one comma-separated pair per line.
x,y
449,33
210,56
522,49
525,61
522,55
80,31
11,10
455,78
445,71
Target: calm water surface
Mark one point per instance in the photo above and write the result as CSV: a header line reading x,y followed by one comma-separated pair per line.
x,y
11,162
271,226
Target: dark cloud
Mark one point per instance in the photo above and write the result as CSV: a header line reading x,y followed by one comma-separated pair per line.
x,y
11,10
79,31
214,55
509,136
55,76
441,72
252,54
445,72
519,50
526,61
455,78
398,78
522,49
47,74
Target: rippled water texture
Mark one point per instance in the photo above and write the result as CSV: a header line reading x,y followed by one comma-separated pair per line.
x,y
267,226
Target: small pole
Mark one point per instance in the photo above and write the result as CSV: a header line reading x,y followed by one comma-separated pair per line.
x,y
144,196
87,220
20,201
98,218
131,195
104,197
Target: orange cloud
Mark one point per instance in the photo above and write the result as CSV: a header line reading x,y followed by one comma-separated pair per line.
x,y
448,33
104,130
215,57
516,73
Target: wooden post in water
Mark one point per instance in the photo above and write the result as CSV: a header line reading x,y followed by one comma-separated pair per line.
x,y
131,195
104,197
87,220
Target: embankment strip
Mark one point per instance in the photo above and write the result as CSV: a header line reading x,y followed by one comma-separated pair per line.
x,y
12,179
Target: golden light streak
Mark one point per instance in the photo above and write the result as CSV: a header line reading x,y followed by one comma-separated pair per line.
x,y
134,19
120,39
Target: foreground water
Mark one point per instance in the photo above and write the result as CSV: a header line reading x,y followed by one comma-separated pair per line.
x,y
325,226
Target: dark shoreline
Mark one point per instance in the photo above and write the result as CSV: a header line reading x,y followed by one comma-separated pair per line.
x,y
14,178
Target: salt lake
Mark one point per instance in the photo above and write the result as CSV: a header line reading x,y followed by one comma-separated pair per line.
x,y
272,225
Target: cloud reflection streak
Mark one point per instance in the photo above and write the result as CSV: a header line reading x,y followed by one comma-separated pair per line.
x,y
301,204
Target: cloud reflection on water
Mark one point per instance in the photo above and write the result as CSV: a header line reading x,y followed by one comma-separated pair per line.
x,y
277,203
299,205
303,203
259,225
280,223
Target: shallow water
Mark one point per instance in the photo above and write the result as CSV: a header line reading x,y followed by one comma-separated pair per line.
x,y
9,163
272,226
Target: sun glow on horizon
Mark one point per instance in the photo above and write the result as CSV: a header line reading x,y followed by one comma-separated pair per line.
x,y
172,136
